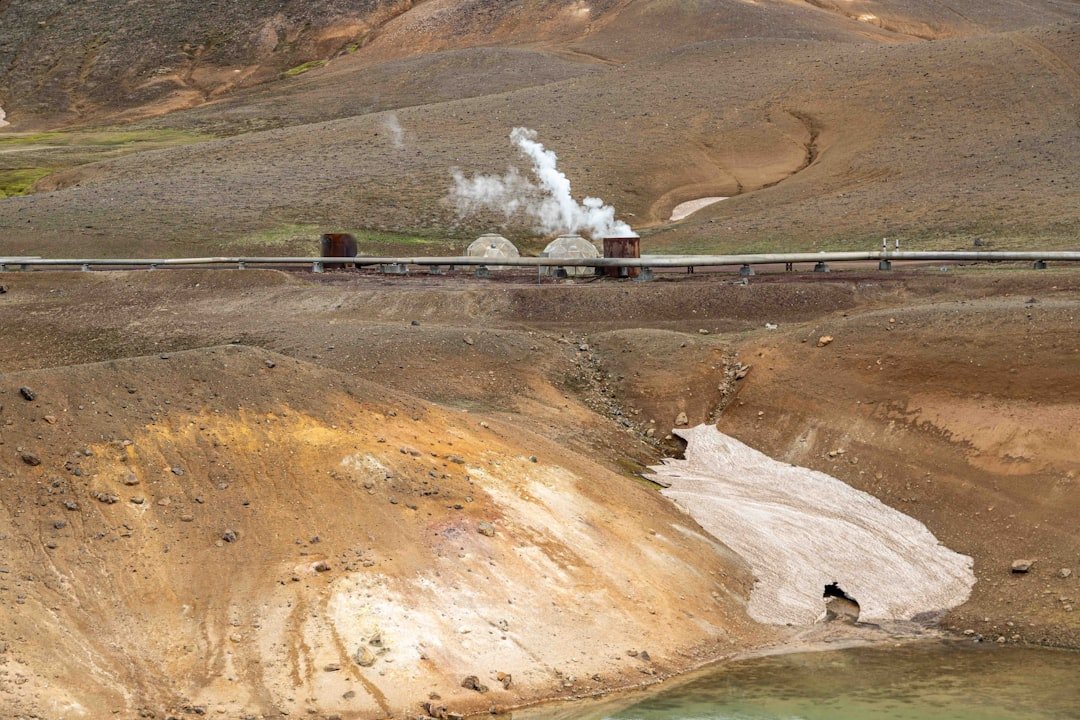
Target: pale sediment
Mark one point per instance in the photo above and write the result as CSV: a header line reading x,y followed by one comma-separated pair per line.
x,y
801,530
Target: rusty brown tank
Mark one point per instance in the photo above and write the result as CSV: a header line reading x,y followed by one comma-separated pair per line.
x,y
337,245
622,247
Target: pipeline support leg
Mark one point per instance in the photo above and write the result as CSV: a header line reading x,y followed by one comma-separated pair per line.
x,y
821,267
746,271
1039,265
317,267
483,271
884,265
645,275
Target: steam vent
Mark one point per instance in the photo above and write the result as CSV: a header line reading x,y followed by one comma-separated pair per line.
x,y
492,245
572,247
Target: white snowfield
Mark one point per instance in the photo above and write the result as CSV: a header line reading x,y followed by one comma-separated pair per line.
x,y
801,530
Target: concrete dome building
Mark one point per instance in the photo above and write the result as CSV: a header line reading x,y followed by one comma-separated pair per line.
x,y
572,247
492,246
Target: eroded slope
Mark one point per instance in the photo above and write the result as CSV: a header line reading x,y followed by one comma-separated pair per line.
x,y
233,530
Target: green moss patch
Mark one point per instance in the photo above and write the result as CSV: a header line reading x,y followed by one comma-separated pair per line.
x,y
19,180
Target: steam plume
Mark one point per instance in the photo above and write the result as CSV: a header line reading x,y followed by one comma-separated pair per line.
x,y
397,135
546,200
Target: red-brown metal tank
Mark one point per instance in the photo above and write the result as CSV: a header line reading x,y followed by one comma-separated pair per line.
x,y
337,245
625,246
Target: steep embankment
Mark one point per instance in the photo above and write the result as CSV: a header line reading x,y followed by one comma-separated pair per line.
x,y
232,530
961,413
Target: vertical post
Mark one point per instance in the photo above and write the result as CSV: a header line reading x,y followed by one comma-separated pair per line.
x,y
317,267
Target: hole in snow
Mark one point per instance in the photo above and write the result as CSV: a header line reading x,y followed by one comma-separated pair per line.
x,y
839,605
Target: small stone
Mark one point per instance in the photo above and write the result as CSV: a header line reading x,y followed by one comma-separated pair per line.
x,y
1065,572
187,517
644,655
473,683
332,667
703,331
505,678
364,657
532,458
229,536
322,566
71,505
176,470
27,393
415,323
51,419
106,498
468,340
486,528
138,500
130,479
1022,566
270,364
632,653
30,459
824,340
59,524
681,420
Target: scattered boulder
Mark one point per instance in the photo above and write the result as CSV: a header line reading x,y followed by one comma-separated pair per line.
x,y
473,683
1065,572
486,529
1022,566
322,566
106,498
71,505
332,667
824,340
229,536
27,394
30,459
681,420
505,678
364,657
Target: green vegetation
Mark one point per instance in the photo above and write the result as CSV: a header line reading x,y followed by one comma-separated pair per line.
x,y
301,69
102,138
20,180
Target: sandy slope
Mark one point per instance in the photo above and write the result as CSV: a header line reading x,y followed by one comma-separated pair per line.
x,y
231,529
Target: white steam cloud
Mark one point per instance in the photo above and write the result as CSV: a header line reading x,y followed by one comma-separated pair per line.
x,y
546,200
397,135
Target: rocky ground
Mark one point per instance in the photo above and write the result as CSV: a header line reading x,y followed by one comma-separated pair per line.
x,y
255,522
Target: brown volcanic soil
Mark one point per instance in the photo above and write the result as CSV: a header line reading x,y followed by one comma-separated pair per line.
x,y
952,396
829,131
225,529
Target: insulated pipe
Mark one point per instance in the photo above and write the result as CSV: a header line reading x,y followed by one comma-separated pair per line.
x,y
655,261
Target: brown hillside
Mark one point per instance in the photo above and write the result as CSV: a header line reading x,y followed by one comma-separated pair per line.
x,y
230,529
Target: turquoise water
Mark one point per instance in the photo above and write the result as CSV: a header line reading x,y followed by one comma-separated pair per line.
x,y
912,682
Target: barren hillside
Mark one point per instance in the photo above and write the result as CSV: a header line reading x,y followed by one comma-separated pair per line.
x,y
238,531
830,126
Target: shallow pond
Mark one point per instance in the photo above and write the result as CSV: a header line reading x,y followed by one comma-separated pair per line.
x,y
924,681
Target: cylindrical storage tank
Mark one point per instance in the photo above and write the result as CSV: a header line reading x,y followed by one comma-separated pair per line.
x,y
337,245
622,246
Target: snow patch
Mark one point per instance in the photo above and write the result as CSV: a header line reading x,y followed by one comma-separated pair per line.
x,y
688,208
801,530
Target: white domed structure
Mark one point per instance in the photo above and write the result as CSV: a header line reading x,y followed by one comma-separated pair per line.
x,y
492,246
572,247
